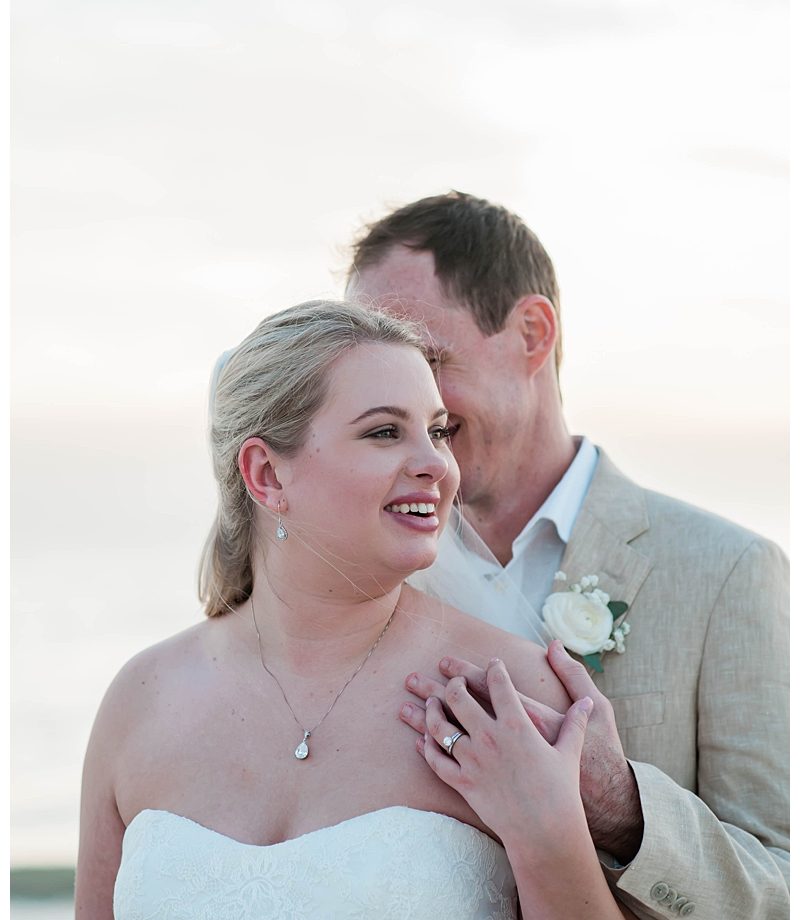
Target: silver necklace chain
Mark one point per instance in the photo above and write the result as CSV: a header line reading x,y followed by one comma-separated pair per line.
x,y
301,751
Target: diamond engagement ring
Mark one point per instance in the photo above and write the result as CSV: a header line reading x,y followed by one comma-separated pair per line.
x,y
448,743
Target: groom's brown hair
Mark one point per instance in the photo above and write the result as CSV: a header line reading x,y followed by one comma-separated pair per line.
x,y
484,256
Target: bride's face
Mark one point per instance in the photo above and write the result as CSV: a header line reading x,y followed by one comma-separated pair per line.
x,y
377,448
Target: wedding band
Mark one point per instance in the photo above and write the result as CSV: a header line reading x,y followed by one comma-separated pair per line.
x,y
449,742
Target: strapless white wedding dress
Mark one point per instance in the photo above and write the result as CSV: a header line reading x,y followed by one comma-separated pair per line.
x,y
397,863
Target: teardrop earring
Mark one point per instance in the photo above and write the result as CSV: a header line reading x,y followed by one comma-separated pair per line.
x,y
281,532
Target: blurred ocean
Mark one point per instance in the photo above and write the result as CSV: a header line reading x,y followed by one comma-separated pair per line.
x,y
23,909
42,893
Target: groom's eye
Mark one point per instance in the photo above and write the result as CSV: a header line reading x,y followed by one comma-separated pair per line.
x,y
436,357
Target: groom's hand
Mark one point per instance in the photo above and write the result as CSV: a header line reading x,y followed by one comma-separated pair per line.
x,y
608,787
548,721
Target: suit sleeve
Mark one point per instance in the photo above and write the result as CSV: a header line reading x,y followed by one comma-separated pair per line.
x,y
725,851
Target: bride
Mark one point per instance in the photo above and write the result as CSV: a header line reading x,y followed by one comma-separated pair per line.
x,y
255,765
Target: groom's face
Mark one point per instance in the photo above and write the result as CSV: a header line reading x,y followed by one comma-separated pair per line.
x,y
482,378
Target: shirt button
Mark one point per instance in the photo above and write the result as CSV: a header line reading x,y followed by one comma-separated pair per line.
x,y
686,910
659,891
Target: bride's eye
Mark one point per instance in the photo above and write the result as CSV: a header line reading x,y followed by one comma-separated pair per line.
x,y
388,431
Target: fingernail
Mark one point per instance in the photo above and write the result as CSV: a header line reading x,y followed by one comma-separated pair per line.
x,y
428,701
412,681
494,661
407,709
420,745
560,647
586,704
445,663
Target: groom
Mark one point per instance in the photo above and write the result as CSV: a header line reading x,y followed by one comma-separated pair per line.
x,y
685,770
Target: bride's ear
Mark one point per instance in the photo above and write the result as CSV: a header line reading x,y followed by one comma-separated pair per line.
x,y
257,465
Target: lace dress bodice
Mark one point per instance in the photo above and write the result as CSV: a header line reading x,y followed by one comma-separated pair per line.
x,y
397,863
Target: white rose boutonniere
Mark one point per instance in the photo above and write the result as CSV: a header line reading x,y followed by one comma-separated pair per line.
x,y
586,620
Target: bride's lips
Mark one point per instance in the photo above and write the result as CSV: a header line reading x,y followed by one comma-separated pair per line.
x,y
427,522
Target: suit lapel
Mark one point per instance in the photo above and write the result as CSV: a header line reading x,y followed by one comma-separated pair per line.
x,y
613,513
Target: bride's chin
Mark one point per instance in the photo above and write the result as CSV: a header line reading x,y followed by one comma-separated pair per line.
x,y
418,562
405,564
427,563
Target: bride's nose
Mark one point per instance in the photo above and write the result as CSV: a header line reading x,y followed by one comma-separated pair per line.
x,y
429,462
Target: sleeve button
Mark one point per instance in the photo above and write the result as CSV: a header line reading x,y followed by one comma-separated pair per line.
x,y
686,910
659,891
670,899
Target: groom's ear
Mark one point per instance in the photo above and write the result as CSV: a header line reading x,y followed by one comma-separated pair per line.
x,y
535,319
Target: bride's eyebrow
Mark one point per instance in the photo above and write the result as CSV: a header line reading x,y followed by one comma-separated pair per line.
x,y
394,410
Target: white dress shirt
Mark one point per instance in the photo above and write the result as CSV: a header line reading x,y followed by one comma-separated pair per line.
x,y
537,551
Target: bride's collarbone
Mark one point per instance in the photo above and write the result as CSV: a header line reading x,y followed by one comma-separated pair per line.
x,y
257,734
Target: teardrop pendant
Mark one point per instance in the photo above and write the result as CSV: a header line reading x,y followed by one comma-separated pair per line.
x,y
281,533
301,751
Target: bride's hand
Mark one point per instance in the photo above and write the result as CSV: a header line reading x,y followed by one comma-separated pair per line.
x,y
526,790
608,787
502,759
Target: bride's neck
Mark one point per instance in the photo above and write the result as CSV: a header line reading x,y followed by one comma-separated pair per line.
x,y
308,623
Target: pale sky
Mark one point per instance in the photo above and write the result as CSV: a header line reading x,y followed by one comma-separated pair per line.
x,y
180,170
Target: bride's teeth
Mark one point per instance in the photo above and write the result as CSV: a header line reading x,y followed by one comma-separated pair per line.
x,y
413,508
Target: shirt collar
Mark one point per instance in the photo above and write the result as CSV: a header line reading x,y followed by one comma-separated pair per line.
x,y
563,504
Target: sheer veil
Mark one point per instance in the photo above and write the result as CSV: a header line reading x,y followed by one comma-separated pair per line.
x,y
456,578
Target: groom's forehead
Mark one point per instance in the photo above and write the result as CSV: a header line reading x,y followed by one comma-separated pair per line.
x,y
404,281
404,284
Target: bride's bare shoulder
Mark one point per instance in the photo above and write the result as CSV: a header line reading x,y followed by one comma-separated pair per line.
x,y
162,674
146,712
465,636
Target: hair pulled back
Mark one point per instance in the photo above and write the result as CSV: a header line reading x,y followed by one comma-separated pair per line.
x,y
271,387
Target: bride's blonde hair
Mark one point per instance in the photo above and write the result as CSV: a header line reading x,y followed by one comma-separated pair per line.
x,y
271,387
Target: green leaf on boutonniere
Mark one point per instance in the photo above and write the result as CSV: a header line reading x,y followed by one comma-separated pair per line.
x,y
617,608
594,662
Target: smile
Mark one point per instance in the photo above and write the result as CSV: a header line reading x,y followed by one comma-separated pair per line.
x,y
420,508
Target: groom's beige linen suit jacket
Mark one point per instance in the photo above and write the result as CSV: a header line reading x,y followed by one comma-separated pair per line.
x,y
700,698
